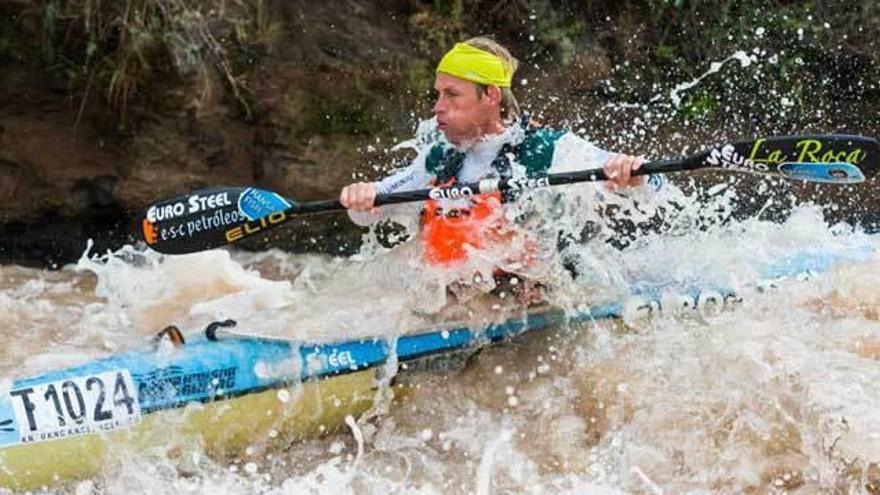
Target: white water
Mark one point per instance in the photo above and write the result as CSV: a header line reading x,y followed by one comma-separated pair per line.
x,y
782,392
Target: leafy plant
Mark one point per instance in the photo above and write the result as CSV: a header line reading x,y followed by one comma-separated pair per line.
x,y
123,45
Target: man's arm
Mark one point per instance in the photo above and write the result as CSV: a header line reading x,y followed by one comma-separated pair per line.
x,y
574,153
359,197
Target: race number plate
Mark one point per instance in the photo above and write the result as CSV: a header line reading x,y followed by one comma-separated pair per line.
x,y
76,406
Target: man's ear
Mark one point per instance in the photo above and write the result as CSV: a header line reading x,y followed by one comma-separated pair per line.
x,y
494,94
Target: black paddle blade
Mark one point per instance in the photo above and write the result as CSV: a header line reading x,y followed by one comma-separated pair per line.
x,y
209,218
833,159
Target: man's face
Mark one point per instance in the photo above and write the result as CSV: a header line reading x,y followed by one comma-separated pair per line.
x,y
463,112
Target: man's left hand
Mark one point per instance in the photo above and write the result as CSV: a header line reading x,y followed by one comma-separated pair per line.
x,y
619,170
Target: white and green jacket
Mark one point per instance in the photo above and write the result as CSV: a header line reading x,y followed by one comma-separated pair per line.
x,y
519,151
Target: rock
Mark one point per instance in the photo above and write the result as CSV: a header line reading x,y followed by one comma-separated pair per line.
x,y
9,180
95,192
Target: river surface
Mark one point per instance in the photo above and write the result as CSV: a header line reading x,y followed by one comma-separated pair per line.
x,y
780,393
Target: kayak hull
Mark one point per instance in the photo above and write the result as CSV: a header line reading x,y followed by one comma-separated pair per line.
x,y
222,429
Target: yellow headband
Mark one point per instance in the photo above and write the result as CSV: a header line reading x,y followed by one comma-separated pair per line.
x,y
475,65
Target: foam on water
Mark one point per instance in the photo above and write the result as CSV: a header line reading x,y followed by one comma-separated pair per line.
x,y
756,398
780,393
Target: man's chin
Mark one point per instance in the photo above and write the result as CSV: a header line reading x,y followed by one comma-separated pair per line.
x,y
450,136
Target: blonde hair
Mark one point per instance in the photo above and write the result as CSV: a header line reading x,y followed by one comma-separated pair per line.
x,y
509,105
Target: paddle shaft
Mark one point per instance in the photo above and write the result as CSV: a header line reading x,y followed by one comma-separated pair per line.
x,y
468,189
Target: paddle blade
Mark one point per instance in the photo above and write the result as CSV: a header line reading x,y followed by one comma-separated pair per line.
x,y
209,218
832,159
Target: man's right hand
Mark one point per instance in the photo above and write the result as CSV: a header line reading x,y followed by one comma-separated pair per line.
x,y
359,196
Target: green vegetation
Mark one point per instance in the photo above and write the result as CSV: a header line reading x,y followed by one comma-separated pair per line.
x,y
12,44
554,28
121,47
807,57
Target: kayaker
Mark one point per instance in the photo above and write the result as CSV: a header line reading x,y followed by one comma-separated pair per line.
x,y
483,135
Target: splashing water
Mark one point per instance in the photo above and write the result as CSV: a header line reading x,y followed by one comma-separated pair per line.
x,y
675,95
750,399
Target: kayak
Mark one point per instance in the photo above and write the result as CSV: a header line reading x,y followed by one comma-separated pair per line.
x,y
226,389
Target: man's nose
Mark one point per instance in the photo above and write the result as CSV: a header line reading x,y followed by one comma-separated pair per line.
x,y
439,106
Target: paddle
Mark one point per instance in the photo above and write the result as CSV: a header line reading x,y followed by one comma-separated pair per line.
x,y
211,218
